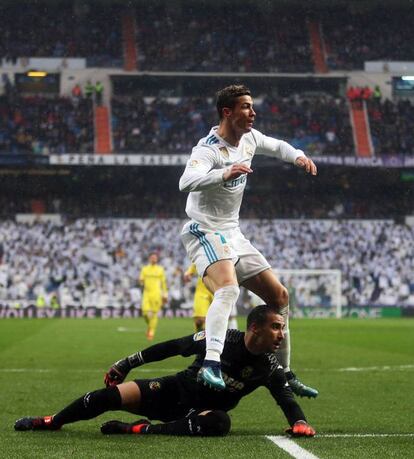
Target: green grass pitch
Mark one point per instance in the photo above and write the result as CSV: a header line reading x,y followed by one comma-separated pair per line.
x,y
45,364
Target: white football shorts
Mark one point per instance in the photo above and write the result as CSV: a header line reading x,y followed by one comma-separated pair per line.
x,y
205,246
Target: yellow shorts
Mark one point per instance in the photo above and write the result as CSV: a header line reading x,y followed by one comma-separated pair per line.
x,y
151,303
202,301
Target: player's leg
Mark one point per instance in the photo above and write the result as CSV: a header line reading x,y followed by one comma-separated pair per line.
x,y
126,397
233,318
199,323
214,259
202,301
146,310
221,280
206,423
155,308
267,286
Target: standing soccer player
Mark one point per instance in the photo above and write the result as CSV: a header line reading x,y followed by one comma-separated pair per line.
x,y
153,281
215,177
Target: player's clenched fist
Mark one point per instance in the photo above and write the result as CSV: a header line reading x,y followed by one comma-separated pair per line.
x,y
117,373
301,429
235,171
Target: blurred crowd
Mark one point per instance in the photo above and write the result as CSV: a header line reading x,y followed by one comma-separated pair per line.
x,y
318,125
82,30
222,38
97,262
392,126
44,125
377,35
229,37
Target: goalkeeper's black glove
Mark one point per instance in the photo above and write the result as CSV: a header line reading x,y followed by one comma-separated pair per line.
x,y
119,370
117,373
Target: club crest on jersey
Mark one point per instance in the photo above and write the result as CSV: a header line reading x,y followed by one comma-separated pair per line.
x,y
199,336
247,372
155,385
194,163
224,152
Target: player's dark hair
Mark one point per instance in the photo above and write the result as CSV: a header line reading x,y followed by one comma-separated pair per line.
x,y
227,97
258,315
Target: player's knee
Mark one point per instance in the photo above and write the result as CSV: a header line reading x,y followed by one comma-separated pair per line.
x,y
228,293
215,423
282,297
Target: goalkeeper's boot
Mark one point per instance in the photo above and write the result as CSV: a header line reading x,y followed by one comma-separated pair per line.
x,y
39,423
299,388
210,375
118,427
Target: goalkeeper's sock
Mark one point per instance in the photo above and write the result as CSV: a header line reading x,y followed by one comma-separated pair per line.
x,y
214,423
89,406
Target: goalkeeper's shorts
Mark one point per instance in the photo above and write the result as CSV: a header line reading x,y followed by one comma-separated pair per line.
x,y
205,246
164,399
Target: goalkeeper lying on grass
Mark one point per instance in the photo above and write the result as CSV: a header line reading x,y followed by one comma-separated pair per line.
x,y
185,406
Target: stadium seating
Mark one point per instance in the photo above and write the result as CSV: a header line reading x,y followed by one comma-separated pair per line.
x,y
44,125
97,262
84,30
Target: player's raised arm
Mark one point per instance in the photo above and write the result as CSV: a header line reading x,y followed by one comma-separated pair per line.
x,y
200,173
186,346
282,150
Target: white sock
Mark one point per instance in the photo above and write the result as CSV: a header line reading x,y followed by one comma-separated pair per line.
x,y
233,325
233,318
283,353
217,319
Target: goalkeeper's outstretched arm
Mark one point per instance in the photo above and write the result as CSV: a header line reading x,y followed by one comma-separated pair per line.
x,y
186,346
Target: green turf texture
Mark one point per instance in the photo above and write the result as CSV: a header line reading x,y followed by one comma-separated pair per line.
x,y
45,364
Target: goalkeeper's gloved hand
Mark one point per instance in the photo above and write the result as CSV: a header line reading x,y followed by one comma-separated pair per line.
x,y
301,429
117,373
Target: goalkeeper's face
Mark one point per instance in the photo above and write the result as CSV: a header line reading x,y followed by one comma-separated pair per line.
x,y
270,334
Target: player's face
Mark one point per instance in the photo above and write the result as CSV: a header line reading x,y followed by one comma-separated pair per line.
x,y
153,258
242,115
271,334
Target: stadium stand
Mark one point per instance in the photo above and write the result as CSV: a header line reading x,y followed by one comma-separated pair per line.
x,y
200,38
353,38
319,125
84,29
96,262
44,125
391,126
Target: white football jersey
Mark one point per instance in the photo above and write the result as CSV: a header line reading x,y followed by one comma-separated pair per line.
x,y
213,203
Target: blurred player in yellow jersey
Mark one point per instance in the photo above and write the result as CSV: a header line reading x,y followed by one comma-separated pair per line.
x,y
202,300
155,293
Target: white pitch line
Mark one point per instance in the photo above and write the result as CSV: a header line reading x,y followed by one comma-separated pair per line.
x,y
364,435
379,368
291,447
